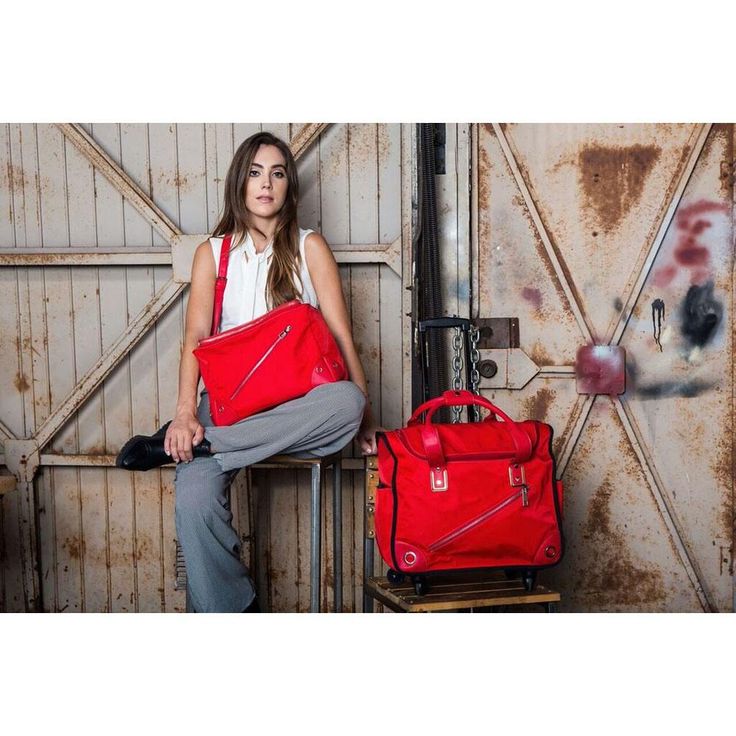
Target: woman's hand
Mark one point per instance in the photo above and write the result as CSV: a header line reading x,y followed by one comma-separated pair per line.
x,y
184,430
367,436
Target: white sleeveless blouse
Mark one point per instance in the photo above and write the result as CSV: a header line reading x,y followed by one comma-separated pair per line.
x,y
247,273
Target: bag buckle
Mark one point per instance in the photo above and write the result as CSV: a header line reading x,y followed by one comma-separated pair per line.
x,y
517,477
438,479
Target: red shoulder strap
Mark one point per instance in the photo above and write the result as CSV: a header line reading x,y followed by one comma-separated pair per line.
x,y
220,283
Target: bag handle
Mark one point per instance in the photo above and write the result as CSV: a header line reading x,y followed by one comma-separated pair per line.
x,y
220,283
522,441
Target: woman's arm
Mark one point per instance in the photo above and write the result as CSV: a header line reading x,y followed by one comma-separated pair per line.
x,y
323,271
185,428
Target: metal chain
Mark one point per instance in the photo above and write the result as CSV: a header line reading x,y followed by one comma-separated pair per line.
x,y
474,360
457,367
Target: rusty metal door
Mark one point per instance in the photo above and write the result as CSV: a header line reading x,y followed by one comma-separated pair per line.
x,y
620,236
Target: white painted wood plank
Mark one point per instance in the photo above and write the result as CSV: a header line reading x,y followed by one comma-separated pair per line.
x,y
8,174
52,182
309,212
11,399
190,180
162,142
13,598
31,282
47,540
211,175
95,547
280,130
389,182
69,538
366,329
285,568
146,521
115,315
363,183
391,407
80,197
333,172
135,162
224,151
240,132
175,600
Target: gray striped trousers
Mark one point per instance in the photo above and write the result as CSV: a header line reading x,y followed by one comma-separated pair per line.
x,y
315,425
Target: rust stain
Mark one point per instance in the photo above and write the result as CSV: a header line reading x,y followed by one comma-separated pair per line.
x,y
612,178
16,177
723,467
484,203
611,575
540,356
537,406
21,382
74,546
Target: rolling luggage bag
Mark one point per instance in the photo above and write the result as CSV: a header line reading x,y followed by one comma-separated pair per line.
x,y
467,495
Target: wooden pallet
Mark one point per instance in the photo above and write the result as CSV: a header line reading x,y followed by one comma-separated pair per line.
x,y
460,591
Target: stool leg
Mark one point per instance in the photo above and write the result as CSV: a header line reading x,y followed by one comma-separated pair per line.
x,y
315,552
367,572
337,530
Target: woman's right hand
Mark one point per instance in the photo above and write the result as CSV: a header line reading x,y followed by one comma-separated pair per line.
x,y
185,429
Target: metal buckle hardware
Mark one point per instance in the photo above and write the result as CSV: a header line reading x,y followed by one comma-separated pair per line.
x,y
438,479
517,477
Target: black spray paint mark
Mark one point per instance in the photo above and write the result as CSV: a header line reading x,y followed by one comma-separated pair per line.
x,y
701,314
657,319
661,389
664,389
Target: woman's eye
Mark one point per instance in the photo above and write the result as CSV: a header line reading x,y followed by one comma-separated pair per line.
x,y
254,172
279,174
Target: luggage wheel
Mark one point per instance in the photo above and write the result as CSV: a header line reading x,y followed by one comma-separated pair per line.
x,y
394,577
421,586
530,579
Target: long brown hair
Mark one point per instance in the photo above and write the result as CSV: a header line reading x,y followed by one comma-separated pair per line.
x,y
286,261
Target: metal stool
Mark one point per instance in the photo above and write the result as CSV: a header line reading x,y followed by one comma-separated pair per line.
x,y
318,465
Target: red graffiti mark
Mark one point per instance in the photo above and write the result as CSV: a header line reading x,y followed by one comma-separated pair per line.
x,y
698,208
663,276
532,295
689,251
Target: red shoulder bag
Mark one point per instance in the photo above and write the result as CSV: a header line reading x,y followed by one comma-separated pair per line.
x,y
279,356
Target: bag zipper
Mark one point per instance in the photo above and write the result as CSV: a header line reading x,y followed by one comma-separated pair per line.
x,y
265,355
245,328
522,493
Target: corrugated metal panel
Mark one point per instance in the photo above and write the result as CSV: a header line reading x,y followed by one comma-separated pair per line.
x,y
106,537
572,222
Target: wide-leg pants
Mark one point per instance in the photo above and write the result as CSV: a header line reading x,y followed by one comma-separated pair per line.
x,y
315,425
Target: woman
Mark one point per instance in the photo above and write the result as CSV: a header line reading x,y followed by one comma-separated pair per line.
x,y
272,261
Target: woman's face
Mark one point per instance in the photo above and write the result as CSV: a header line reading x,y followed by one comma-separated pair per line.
x,y
265,192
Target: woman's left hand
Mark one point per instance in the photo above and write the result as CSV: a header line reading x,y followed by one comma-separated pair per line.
x,y
367,438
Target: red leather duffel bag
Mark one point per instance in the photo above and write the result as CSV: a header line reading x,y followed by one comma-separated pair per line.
x,y
467,495
277,357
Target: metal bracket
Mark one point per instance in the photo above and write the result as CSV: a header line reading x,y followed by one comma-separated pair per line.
x,y
22,459
498,332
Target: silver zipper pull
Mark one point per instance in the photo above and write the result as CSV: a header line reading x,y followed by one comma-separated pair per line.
x,y
284,332
524,496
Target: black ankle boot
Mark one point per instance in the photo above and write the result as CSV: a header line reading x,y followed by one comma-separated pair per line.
x,y
253,607
144,453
